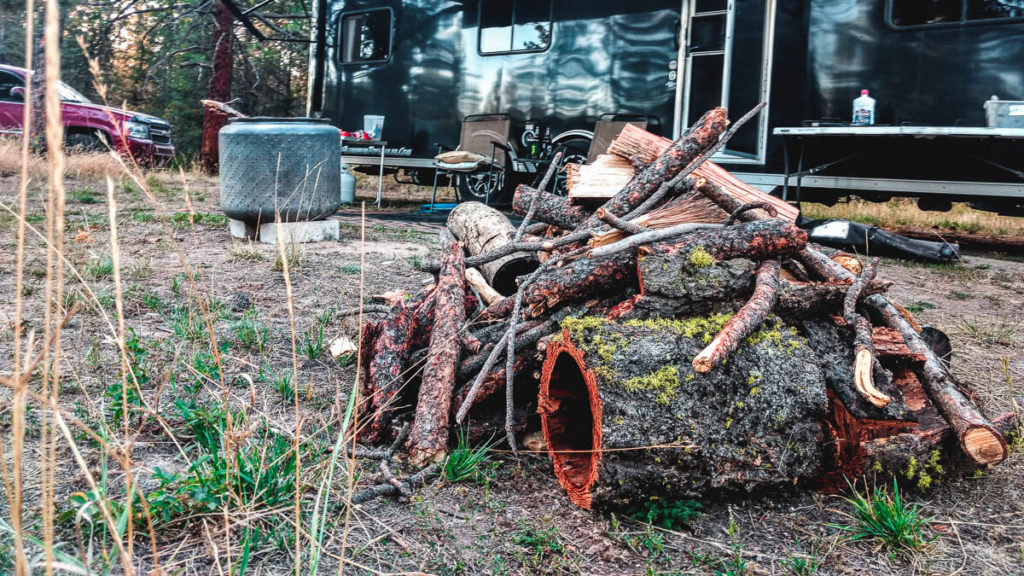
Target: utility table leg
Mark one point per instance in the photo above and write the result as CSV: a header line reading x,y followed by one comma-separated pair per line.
x,y
380,179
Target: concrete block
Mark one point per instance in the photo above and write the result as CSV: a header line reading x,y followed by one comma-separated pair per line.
x,y
241,229
300,232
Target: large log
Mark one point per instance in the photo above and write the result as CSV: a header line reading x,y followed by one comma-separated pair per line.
x,y
616,273
551,208
428,439
482,229
627,419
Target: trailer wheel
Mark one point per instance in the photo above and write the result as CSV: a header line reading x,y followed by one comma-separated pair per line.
x,y
574,151
488,187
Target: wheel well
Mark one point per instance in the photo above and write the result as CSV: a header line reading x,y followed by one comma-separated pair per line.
x,y
98,132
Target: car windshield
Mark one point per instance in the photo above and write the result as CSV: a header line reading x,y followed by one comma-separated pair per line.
x,y
69,94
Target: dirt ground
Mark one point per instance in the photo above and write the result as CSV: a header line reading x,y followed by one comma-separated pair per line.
x,y
515,520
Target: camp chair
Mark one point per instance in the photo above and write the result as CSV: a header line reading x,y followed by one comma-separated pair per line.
x,y
608,128
479,160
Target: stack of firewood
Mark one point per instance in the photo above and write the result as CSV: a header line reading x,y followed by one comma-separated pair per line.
x,y
682,337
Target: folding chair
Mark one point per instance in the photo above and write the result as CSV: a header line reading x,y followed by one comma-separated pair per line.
x,y
608,127
479,160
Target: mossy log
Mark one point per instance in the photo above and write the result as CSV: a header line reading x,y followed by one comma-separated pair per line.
x,y
627,419
616,273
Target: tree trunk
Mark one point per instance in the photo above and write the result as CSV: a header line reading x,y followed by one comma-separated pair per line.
x,y
627,419
219,89
428,439
482,229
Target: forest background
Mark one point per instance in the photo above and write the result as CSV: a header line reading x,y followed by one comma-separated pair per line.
x,y
158,56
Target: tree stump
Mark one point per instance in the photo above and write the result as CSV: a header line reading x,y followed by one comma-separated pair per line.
x,y
626,418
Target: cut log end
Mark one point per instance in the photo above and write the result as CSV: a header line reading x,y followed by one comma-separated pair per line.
x,y
985,445
570,410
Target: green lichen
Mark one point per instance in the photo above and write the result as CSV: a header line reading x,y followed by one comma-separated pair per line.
x,y
699,258
728,422
619,420
700,326
877,467
663,382
927,474
772,333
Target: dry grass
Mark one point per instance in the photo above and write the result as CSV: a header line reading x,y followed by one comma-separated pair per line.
x,y
904,212
91,166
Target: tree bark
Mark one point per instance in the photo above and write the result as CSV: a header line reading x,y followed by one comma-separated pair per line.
x,y
219,89
551,208
483,229
976,435
748,319
627,419
385,377
428,439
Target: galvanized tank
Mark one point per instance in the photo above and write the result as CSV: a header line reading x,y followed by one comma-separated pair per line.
x,y
286,165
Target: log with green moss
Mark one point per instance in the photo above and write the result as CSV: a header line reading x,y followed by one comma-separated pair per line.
x,y
627,419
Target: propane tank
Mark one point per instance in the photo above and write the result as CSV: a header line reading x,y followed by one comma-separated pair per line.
x,y
348,185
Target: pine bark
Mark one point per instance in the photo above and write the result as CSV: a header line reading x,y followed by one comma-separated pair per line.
x,y
551,208
219,89
428,438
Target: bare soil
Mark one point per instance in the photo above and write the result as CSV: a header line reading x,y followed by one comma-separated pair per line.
x,y
516,520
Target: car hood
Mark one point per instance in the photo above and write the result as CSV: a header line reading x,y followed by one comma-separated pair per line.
x,y
125,114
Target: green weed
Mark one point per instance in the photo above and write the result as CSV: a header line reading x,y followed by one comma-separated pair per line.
x,y
919,306
885,517
100,267
120,396
463,464
350,269
249,332
673,515
293,255
280,382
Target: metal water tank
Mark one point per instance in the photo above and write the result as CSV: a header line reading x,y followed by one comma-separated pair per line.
x,y
286,165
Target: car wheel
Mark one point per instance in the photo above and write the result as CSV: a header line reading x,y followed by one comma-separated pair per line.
x,y
490,187
80,142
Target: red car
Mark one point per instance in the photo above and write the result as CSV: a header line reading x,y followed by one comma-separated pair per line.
x,y
90,126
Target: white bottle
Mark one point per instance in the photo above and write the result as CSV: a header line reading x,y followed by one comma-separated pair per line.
x,y
864,109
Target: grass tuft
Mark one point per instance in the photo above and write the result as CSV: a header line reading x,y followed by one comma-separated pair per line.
x,y
464,463
886,518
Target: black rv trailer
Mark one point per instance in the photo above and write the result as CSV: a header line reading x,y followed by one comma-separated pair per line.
x,y
931,64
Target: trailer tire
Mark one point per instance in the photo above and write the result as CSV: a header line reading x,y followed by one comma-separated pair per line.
x,y
488,187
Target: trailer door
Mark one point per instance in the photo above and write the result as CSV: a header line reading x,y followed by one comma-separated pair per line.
x,y
727,62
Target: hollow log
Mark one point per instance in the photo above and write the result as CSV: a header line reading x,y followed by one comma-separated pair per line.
x,y
482,229
428,439
627,419
551,208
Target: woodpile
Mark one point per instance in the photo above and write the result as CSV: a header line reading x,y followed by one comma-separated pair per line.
x,y
682,337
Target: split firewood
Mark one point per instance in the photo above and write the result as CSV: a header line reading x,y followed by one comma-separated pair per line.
x,y
483,229
702,135
475,279
746,321
385,377
428,441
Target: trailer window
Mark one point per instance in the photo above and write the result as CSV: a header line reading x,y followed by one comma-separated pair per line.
x,y
365,36
913,13
514,26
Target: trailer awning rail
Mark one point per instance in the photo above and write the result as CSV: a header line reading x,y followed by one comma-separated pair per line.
x,y
909,131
